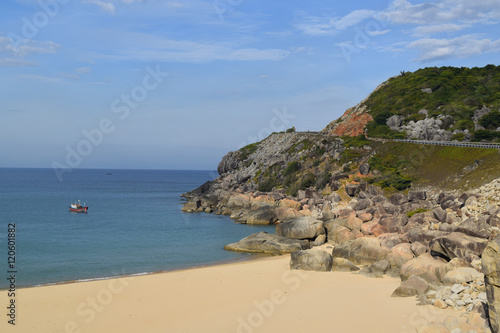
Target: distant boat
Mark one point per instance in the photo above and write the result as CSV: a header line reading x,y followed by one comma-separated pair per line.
x,y
78,207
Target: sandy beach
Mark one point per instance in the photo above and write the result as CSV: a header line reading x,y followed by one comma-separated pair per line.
x,y
262,295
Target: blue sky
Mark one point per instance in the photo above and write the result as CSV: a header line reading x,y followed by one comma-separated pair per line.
x,y
177,84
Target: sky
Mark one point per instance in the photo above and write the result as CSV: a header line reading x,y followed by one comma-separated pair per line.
x,y
170,84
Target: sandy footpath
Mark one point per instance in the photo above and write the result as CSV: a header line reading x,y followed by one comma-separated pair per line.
x,y
252,296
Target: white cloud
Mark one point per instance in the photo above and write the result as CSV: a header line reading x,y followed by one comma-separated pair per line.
x,y
445,11
352,18
155,48
460,47
438,28
83,70
11,55
40,78
13,62
106,6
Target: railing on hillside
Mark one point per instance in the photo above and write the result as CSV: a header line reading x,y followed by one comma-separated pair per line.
x,y
452,144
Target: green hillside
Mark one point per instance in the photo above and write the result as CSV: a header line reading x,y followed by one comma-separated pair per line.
x,y
452,91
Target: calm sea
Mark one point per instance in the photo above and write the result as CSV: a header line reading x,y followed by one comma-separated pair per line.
x,y
134,224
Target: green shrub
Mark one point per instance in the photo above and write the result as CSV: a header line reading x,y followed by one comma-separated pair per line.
x,y
458,137
291,168
416,211
491,120
267,184
290,130
484,135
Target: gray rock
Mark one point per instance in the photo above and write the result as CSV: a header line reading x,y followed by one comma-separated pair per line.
x,y
439,214
474,228
458,245
398,199
362,204
343,265
491,270
229,162
418,248
361,251
364,169
413,286
311,260
306,227
429,268
394,223
394,121
424,236
267,243
377,269
352,189
320,240
417,195
461,275
263,215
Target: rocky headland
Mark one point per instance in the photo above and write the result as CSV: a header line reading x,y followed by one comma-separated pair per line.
x,y
343,202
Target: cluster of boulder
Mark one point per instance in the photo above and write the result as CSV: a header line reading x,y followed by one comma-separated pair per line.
x,y
435,129
434,245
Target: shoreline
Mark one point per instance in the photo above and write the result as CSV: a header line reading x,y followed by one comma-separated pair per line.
x,y
250,257
261,295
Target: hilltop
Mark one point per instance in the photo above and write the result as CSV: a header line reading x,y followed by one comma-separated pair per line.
x,y
445,103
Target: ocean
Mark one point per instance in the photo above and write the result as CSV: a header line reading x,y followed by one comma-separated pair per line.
x,y
134,225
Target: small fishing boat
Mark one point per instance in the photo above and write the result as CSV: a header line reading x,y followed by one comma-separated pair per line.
x,y
78,207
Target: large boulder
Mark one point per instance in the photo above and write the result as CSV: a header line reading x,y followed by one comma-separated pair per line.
x,y
474,228
425,266
398,199
263,215
362,204
458,245
361,251
285,214
364,169
311,260
399,255
239,201
491,270
413,286
262,242
306,227
343,265
462,275
424,236
417,195
394,223
352,189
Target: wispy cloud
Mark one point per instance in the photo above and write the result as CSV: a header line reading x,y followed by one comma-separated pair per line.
x,y
105,6
404,12
155,48
40,78
438,28
431,49
83,70
12,55
314,25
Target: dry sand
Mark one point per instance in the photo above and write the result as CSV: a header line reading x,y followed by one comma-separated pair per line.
x,y
253,296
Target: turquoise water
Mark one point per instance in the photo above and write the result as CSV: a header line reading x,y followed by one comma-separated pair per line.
x,y
134,224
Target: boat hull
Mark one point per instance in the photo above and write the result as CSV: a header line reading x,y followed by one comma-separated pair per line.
x,y
79,210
